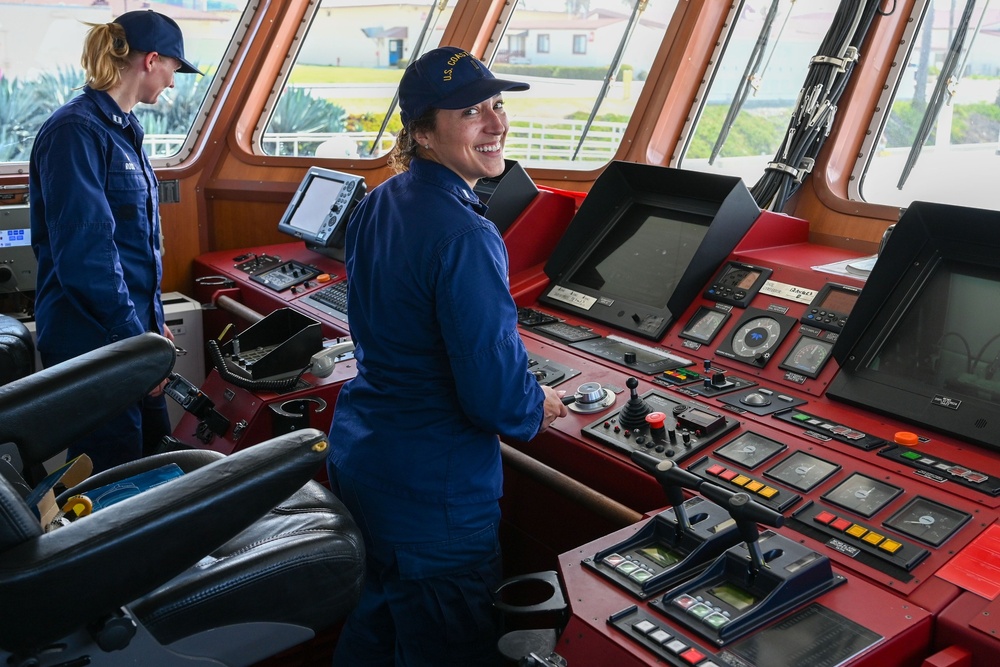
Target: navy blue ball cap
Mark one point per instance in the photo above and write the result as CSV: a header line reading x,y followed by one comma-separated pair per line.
x,y
447,78
148,31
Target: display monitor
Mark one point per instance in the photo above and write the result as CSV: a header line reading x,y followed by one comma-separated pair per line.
x,y
643,244
923,340
320,208
18,265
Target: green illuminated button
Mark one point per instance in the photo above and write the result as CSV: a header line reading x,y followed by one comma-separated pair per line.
x,y
628,567
715,620
701,610
801,417
640,575
913,456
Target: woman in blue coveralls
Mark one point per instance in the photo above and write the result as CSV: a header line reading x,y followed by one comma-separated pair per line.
x,y
95,219
441,371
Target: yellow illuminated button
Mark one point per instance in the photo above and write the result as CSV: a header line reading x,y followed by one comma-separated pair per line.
x,y
754,486
873,538
857,531
741,480
892,546
768,492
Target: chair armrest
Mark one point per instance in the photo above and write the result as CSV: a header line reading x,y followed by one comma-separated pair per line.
x,y
65,579
46,411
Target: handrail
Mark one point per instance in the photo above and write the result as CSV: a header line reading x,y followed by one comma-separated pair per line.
x,y
578,492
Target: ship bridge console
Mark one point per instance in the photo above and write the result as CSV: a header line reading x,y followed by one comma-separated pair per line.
x,y
809,450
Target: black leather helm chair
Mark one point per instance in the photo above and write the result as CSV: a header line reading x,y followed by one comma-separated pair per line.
x,y
236,560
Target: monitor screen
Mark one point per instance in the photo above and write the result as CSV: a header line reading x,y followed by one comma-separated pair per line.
x,y
18,265
643,244
839,300
644,256
15,238
320,207
922,343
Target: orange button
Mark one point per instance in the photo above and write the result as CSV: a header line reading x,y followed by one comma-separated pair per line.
x,y
323,278
906,438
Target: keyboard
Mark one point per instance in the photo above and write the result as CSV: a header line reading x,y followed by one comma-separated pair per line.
x,y
566,332
331,300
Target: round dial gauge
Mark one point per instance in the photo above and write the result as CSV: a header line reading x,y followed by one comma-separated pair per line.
x,y
809,356
756,336
749,450
802,471
927,521
862,495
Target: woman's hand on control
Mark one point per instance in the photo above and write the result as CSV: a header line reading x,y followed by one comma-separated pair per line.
x,y
552,408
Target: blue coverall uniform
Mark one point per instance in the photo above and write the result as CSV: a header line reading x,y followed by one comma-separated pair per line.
x,y
95,229
414,443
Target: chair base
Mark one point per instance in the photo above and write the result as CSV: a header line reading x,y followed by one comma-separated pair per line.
x,y
228,646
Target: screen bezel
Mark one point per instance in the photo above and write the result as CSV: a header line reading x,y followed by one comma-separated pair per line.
x,y
722,203
330,232
927,236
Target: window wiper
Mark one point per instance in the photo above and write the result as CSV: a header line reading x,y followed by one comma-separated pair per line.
x,y
944,88
418,49
633,21
752,75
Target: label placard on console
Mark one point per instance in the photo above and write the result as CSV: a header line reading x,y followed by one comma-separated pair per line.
x,y
572,297
789,292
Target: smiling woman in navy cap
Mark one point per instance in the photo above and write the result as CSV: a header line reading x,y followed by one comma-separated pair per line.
x,y
95,219
442,371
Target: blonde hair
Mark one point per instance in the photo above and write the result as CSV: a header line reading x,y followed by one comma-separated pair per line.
x,y
105,55
405,148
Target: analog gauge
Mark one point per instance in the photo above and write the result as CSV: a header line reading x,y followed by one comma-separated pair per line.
x,y
927,521
704,325
802,471
808,356
750,450
862,494
756,336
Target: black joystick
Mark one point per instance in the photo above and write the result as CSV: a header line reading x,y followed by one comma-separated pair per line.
x,y
747,513
633,414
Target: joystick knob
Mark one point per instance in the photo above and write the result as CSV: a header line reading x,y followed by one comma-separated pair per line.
x,y
633,414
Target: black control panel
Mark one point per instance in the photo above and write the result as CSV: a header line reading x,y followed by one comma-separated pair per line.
x,y
737,283
285,275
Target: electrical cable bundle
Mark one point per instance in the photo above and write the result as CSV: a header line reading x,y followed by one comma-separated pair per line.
x,y
816,106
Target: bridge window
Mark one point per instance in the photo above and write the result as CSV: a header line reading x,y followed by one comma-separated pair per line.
x,y
339,99
40,70
587,63
748,100
939,138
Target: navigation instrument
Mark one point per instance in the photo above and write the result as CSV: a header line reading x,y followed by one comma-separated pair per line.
x,y
862,494
802,471
927,521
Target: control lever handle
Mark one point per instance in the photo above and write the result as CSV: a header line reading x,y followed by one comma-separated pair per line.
x,y
747,513
673,480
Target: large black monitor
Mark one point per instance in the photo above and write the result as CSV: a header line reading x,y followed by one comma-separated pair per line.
x,y
644,243
923,339
320,208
